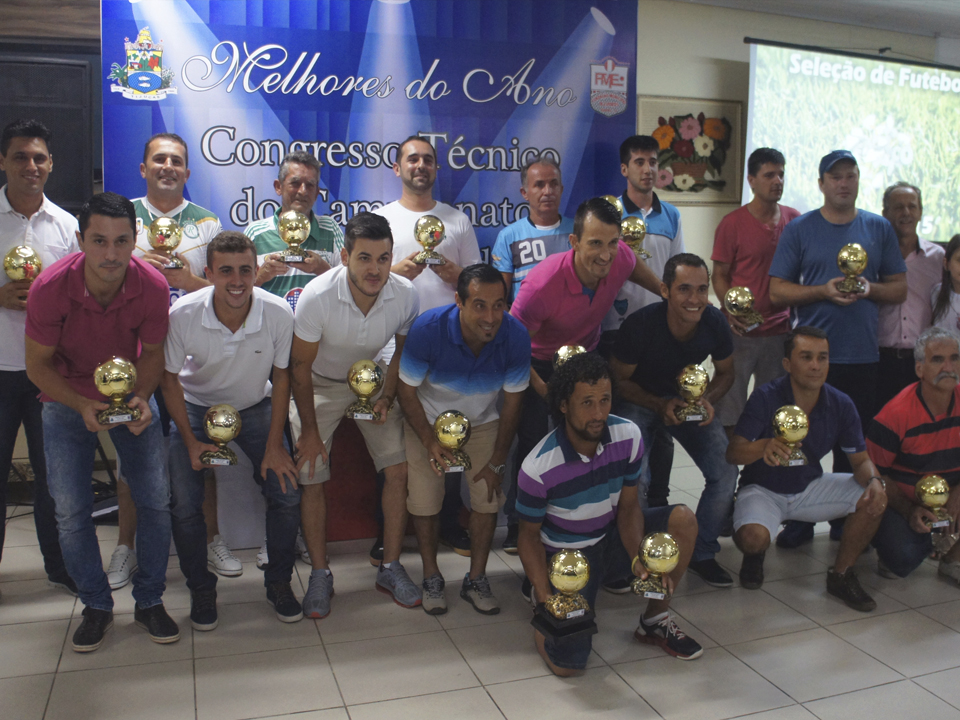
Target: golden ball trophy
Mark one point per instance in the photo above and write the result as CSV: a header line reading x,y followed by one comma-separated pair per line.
x,y
633,230
294,229
565,353
739,302
164,235
22,263
852,261
659,554
933,492
429,232
693,381
566,615
615,201
365,378
222,424
790,426
453,430
116,379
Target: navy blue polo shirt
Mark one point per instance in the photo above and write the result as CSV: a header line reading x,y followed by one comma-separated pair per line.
x,y
448,376
834,419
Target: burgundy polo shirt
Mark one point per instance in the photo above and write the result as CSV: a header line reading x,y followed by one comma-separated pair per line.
x,y
62,313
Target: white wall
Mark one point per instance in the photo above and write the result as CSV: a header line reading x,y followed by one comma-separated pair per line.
x,y
697,51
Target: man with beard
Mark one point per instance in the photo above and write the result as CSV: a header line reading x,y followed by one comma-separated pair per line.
x,y
743,248
347,315
913,436
578,491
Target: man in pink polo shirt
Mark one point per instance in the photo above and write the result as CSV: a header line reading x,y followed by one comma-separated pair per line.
x,y
562,301
85,309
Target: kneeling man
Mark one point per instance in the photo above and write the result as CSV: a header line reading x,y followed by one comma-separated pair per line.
x,y
578,491
771,494
224,343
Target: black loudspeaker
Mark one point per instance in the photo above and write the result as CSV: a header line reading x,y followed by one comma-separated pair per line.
x,y
57,93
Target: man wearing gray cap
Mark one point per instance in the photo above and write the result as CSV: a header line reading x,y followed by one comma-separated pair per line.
x,y
804,275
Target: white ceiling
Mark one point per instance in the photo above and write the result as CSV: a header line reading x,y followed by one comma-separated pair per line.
x,y
933,18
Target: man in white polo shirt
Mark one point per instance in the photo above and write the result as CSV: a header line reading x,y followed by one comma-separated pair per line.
x,y
345,315
27,217
416,166
223,344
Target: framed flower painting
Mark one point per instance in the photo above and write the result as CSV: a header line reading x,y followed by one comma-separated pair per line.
x,y
701,148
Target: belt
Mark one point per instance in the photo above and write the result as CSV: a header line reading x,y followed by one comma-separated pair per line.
x,y
899,353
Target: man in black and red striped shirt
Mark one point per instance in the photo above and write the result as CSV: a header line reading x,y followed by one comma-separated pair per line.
x,y
914,435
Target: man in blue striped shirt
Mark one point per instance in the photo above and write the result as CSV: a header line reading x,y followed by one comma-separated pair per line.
x,y
578,490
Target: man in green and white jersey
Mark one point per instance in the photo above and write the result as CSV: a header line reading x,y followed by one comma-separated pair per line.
x,y
297,185
166,172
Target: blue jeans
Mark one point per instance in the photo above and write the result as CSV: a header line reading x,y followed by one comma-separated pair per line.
x,y
189,527
707,446
899,546
70,449
19,404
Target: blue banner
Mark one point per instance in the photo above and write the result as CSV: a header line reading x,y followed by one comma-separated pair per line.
x,y
487,81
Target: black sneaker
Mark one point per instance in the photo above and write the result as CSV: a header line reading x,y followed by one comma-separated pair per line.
x,y
794,534
711,572
203,610
284,602
618,587
376,552
456,539
751,571
526,589
671,639
159,626
89,636
510,542
64,582
847,587
836,528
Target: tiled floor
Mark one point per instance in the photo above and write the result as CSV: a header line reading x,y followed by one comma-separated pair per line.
x,y
786,652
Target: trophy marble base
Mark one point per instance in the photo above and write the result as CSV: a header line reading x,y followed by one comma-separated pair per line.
x,y
564,630
224,456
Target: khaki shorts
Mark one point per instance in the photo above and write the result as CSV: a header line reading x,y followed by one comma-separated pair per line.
x,y
425,489
331,398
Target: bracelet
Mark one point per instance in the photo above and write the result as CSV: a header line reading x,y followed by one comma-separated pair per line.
x,y
883,483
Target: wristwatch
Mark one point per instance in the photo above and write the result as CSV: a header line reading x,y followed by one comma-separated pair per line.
x,y
498,469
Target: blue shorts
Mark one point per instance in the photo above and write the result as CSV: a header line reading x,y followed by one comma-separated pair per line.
x,y
609,562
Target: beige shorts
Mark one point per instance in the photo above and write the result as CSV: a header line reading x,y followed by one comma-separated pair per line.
x,y
331,398
425,489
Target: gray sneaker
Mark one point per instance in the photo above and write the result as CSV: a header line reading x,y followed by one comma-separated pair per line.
x,y
316,601
477,592
394,581
434,601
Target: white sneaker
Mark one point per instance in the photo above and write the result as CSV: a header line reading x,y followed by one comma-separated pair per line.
x,y
262,558
123,563
302,548
222,559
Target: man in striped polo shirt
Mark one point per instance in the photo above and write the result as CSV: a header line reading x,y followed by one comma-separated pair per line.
x,y
298,186
913,436
578,491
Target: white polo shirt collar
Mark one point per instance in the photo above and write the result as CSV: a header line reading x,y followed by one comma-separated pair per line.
x,y
344,295
252,323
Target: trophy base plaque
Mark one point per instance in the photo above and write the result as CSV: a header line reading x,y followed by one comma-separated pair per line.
x,y
292,256
361,410
692,413
428,257
642,254
224,456
565,630
455,469
796,459
650,588
118,414
461,461
851,285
